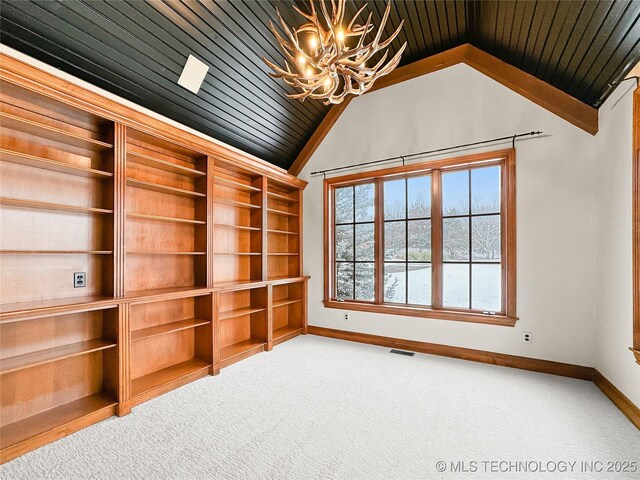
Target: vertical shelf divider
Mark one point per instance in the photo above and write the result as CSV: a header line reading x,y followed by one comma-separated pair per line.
x,y
119,210
265,226
215,302
269,345
210,221
124,355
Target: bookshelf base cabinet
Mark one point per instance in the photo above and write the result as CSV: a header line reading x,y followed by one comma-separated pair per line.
x,y
136,257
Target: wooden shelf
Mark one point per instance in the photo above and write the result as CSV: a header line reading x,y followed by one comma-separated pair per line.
x,y
159,218
281,254
166,293
57,417
284,232
225,182
36,204
281,212
156,187
16,312
167,328
239,312
285,301
160,164
235,203
240,348
52,133
285,331
57,252
238,284
238,253
165,253
166,375
53,165
279,196
237,227
20,362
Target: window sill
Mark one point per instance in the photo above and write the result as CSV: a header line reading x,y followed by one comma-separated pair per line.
x,y
424,313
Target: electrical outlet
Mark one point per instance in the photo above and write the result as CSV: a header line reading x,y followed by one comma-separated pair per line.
x,y
527,337
79,279
345,317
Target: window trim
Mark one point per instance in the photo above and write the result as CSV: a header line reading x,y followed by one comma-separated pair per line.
x,y
506,158
635,348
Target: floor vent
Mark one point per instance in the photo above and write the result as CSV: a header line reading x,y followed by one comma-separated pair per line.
x,y
402,352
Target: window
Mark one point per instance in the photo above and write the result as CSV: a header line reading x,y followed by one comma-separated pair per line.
x,y
435,239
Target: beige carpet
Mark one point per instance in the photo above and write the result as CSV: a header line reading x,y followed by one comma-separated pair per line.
x,y
318,408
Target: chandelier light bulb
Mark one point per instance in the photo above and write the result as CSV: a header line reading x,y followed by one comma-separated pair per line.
x,y
313,42
324,67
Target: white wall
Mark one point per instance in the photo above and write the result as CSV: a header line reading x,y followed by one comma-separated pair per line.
x,y
614,300
555,208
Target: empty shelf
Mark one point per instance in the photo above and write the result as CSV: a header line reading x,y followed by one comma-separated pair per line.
x,y
235,203
167,328
54,418
238,253
237,227
157,187
240,348
281,212
36,204
225,182
166,375
160,164
239,312
28,360
164,253
285,301
159,218
282,197
284,254
57,252
54,165
52,133
284,331
284,232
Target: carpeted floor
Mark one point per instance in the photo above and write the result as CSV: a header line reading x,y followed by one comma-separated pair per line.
x,y
320,408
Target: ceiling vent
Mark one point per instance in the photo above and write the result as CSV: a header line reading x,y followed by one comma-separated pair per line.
x,y
193,74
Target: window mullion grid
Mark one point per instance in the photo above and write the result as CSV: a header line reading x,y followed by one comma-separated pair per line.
x,y
436,239
354,241
406,241
470,244
379,243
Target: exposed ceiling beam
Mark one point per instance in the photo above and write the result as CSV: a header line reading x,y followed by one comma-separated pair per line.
x,y
543,94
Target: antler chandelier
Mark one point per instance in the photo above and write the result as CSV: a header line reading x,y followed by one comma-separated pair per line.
x,y
328,58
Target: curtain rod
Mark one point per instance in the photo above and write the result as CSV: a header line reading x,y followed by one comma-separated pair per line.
x,y
404,157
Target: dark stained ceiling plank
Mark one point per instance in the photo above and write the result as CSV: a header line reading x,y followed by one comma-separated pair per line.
x,y
137,50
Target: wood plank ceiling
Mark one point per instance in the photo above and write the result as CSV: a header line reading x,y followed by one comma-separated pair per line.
x,y
137,49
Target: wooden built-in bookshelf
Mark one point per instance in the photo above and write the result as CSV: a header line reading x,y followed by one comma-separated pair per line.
x,y
288,311
170,340
238,224
242,323
55,370
191,251
166,204
283,230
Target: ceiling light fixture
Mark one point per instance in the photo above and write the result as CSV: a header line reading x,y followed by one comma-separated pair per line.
x,y
193,74
327,60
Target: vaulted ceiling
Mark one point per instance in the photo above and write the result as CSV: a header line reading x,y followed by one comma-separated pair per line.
x,y
136,49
